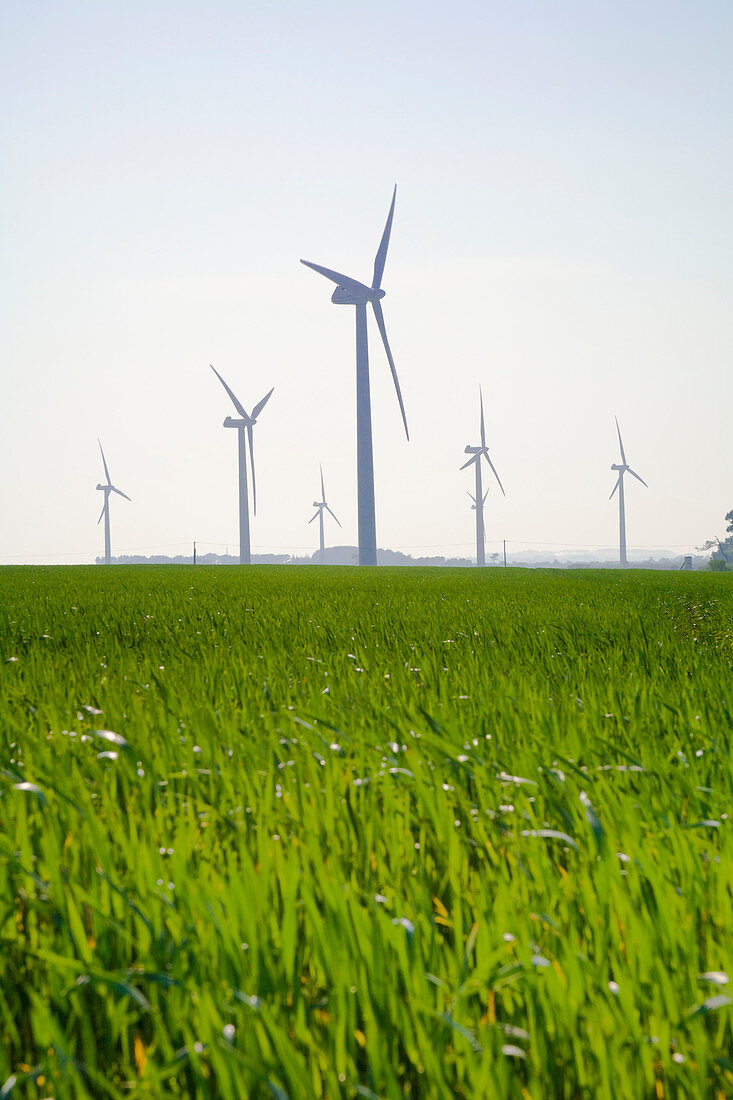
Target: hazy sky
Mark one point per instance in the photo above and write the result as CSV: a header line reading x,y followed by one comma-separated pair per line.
x,y
562,236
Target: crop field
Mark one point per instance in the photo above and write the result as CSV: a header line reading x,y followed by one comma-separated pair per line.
x,y
307,832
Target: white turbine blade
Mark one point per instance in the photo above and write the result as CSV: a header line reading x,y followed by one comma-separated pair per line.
x,y
119,491
485,496
377,307
381,256
338,278
623,456
616,486
323,491
101,514
252,464
332,513
260,406
318,512
471,460
483,431
473,498
491,464
634,474
104,460
237,404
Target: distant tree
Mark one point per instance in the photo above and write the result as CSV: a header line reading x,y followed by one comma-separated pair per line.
x,y
722,557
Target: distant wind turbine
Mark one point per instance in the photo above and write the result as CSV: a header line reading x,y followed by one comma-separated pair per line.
x,y
321,507
245,423
104,514
480,497
473,498
622,468
349,292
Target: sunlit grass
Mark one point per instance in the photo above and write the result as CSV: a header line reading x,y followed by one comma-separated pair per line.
x,y
378,833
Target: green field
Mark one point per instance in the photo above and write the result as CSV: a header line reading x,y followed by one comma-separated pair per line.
x,y
394,833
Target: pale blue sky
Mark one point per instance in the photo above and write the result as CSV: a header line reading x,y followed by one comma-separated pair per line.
x,y
562,235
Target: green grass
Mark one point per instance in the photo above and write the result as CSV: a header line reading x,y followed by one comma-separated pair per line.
x,y
419,833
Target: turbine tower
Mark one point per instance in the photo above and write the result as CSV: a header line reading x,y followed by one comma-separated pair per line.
x,y
480,497
321,507
107,489
350,292
622,468
244,424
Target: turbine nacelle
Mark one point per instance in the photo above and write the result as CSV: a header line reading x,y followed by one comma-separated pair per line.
x,y
620,469
356,295
231,422
103,488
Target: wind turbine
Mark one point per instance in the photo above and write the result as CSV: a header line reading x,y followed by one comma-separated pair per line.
x,y
244,423
622,468
473,498
107,489
476,453
321,507
350,292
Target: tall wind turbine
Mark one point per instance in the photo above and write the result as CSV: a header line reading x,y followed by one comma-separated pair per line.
x,y
622,468
104,514
349,292
321,507
244,424
480,497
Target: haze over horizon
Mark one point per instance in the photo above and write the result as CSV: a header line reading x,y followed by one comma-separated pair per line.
x,y
562,237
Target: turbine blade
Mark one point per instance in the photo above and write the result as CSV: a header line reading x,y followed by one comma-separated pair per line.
x,y
473,498
377,307
323,491
318,512
260,406
119,491
634,474
483,430
104,460
471,460
616,486
337,277
333,514
237,404
485,496
381,256
491,464
101,514
250,434
623,456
